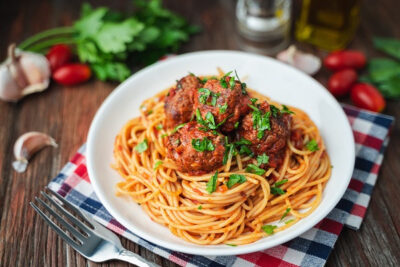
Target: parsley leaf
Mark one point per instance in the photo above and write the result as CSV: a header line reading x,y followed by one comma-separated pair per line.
x,y
204,95
255,169
262,159
285,214
253,100
261,121
275,111
158,163
159,126
236,125
269,229
234,179
203,145
232,82
312,145
200,207
223,82
228,154
223,108
141,147
279,183
286,110
277,191
289,221
212,183
113,37
178,127
231,245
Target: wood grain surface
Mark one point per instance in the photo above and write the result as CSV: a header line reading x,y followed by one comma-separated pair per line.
x,y
66,112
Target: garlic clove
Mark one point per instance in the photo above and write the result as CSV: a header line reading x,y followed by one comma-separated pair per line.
x,y
23,73
305,62
37,72
9,89
27,145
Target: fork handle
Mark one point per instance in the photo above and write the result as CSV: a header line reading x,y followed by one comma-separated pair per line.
x,y
129,256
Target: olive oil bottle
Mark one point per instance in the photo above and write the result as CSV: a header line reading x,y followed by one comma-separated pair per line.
x,y
328,24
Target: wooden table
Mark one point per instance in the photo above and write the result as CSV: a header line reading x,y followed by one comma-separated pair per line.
x,y
66,113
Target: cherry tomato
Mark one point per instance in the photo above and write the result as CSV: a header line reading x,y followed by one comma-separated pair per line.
x,y
366,96
59,55
340,82
340,60
71,74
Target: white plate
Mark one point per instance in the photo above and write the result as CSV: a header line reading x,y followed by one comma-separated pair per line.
x,y
266,75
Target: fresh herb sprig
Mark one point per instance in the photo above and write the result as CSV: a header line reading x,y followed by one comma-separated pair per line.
x,y
107,40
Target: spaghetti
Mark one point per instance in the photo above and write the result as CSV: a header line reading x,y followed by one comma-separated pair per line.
x,y
240,215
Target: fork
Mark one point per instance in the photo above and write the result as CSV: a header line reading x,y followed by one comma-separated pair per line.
x,y
96,242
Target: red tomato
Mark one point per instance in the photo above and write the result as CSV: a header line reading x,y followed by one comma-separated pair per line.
x,y
58,56
368,97
340,60
340,82
71,74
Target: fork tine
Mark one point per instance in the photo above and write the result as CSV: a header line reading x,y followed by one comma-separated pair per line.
x,y
58,230
72,207
77,222
69,227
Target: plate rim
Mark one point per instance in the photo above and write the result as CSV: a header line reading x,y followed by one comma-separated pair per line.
x,y
205,249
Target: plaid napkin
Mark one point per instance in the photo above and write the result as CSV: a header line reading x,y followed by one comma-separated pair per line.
x,y
371,132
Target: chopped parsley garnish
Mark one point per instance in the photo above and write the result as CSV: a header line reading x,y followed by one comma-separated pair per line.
x,y
200,207
235,179
269,229
279,183
158,163
223,108
192,74
212,183
245,150
312,145
274,110
275,190
253,100
286,110
232,82
289,221
242,85
236,125
164,135
243,141
202,145
150,112
159,126
229,152
223,82
262,159
261,121
255,169
285,214
141,147
205,94
232,245
241,145
208,121
178,127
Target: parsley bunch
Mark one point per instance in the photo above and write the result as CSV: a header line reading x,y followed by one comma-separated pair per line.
x,y
110,42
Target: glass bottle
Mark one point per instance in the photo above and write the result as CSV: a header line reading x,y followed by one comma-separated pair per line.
x,y
328,24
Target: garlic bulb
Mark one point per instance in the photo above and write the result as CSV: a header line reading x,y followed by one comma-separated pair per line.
x,y
27,145
305,62
23,73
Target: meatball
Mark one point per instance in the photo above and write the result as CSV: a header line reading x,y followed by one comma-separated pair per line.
x,y
272,142
226,104
179,101
195,151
